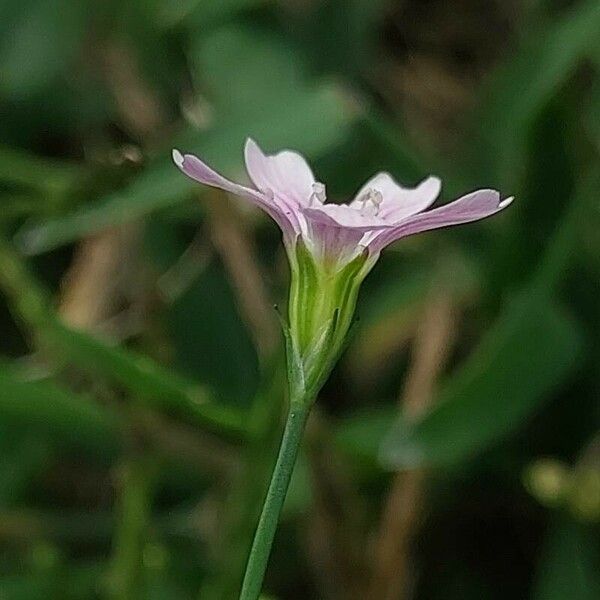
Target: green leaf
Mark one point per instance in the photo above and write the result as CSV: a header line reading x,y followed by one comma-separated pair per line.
x,y
211,341
198,12
342,35
569,564
39,44
545,62
360,434
531,351
260,58
24,453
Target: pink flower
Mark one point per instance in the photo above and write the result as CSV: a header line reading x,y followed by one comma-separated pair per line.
x,y
332,247
381,212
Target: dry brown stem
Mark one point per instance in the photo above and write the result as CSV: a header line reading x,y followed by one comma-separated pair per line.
x,y
403,507
335,531
238,253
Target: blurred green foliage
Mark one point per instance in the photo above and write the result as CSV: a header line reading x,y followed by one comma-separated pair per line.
x,y
141,385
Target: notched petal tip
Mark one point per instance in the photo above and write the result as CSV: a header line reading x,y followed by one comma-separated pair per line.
x,y
253,152
250,146
250,142
506,202
177,158
430,187
199,171
434,183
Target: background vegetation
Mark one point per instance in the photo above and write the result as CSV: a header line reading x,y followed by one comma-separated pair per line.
x,y
455,451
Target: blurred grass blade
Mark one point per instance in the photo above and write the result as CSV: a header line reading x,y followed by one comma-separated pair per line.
x,y
160,388
126,577
531,351
312,122
71,417
35,172
567,236
143,377
151,191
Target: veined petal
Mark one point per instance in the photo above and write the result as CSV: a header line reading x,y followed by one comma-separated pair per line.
x,y
198,170
399,202
285,174
344,216
334,245
472,207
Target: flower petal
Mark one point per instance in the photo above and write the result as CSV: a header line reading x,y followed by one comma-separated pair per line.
x,y
285,174
344,216
472,207
334,244
198,170
400,202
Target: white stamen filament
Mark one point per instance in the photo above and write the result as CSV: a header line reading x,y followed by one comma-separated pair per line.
x,y
373,197
318,192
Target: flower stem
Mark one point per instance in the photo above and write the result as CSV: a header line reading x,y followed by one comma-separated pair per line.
x,y
280,480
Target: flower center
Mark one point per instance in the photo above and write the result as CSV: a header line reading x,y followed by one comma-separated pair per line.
x,y
318,193
371,201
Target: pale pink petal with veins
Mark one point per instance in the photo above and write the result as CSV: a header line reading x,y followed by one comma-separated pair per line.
x,y
382,212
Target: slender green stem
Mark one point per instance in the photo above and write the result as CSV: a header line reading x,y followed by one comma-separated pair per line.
x,y
280,480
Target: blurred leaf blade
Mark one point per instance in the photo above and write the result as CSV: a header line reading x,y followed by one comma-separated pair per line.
x,y
555,342
312,121
144,378
524,86
215,346
532,349
22,168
